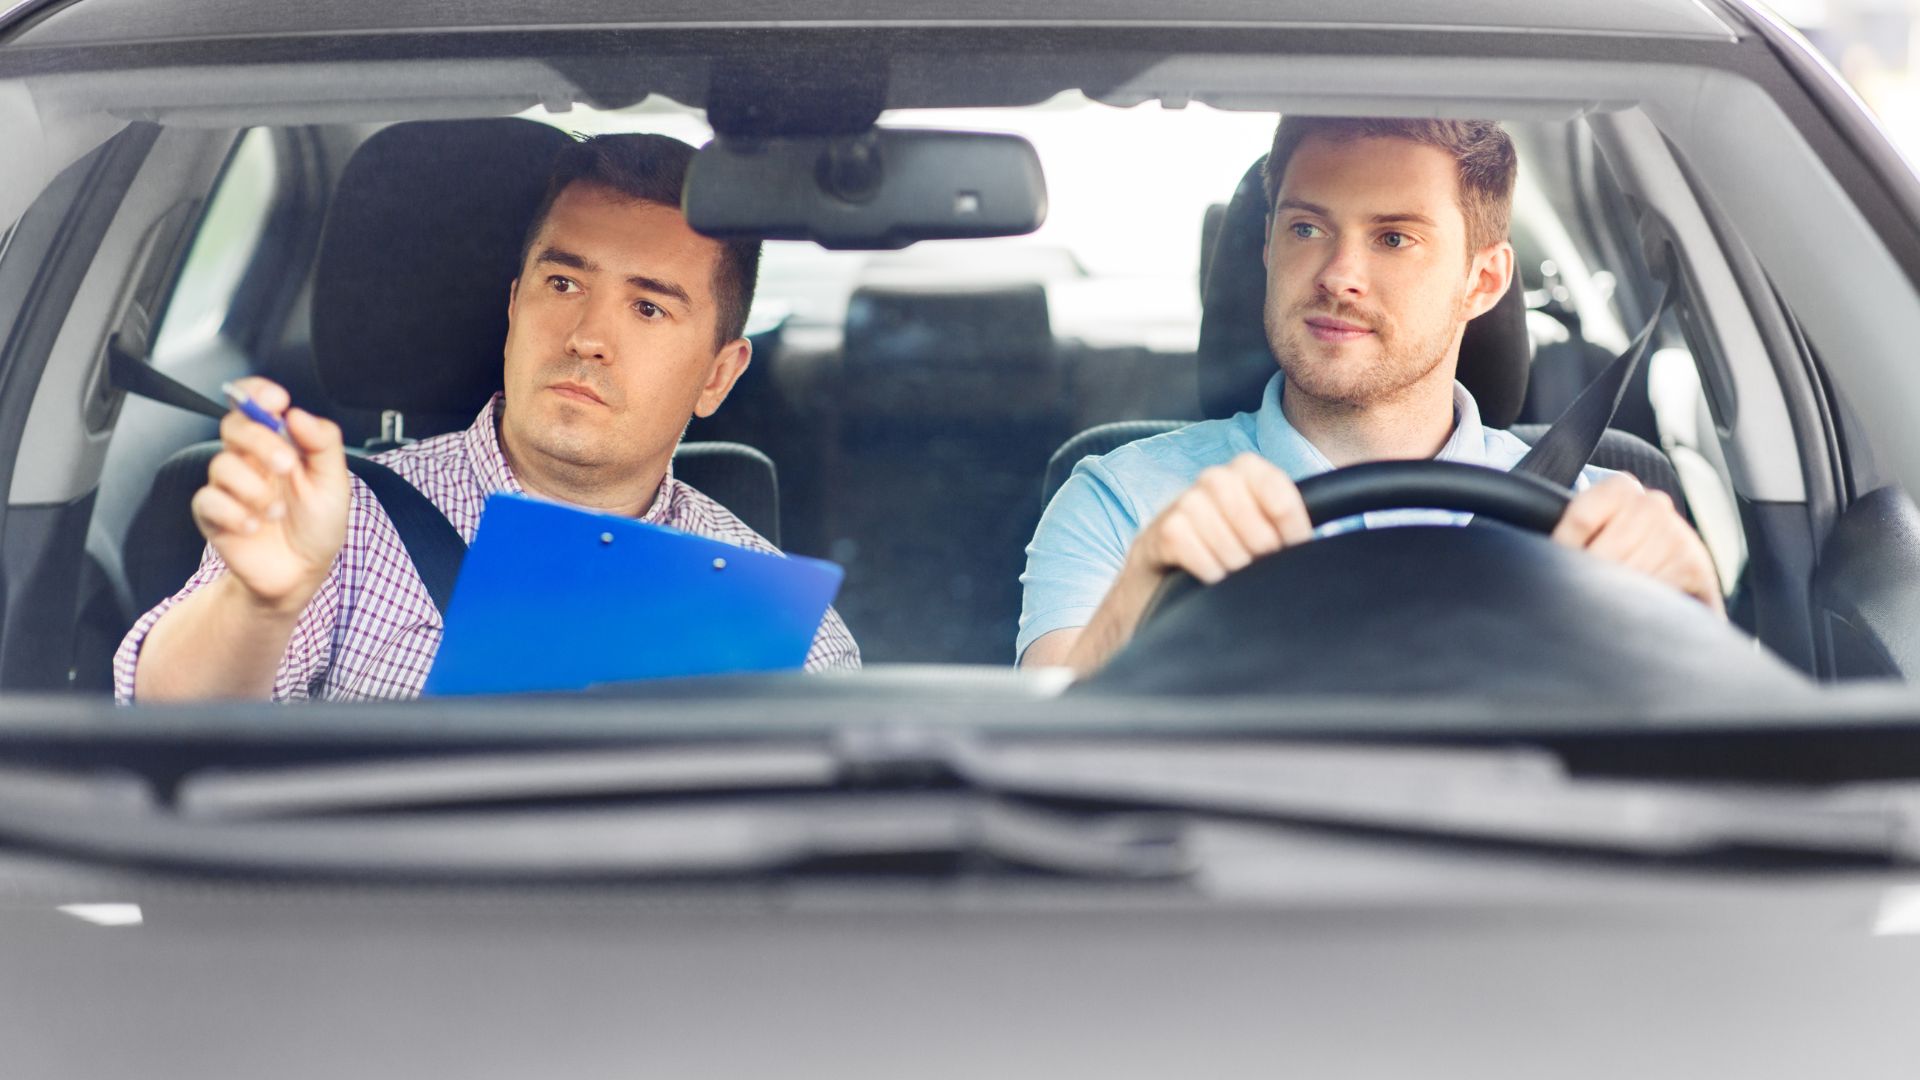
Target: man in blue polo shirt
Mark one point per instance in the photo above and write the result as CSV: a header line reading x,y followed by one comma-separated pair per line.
x,y
1385,238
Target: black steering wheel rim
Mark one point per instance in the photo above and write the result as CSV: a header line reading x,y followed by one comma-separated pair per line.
x,y
1522,500
1519,499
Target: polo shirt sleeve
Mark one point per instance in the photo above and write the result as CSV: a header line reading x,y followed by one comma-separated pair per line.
x,y
1076,554
308,651
1589,476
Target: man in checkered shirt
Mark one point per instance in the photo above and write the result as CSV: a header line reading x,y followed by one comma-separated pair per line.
x,y
623,324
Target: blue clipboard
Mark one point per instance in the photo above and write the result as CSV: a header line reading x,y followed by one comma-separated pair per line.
x,y
555,598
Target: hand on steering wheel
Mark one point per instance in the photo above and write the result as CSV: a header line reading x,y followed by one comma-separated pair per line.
x,y
1232,515
1249,509
1622,522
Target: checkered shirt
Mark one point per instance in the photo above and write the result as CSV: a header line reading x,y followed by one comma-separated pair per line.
x,y
372,630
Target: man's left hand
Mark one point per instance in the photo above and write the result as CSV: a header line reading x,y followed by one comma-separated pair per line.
x,y
1622,522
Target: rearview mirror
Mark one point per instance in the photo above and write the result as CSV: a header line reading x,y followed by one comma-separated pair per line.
x,y
881,189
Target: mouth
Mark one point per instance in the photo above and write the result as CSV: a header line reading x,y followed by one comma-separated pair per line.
x,y
1327,328
577,392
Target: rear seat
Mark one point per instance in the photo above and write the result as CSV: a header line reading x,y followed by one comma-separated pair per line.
x,y
949,399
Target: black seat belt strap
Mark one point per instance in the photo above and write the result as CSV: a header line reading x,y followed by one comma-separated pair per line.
x,y
1564,450
139,378
433,544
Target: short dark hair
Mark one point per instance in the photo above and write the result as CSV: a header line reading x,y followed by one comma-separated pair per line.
x,y
1483,151
651,168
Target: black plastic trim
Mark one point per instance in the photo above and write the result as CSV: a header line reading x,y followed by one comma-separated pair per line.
x,y
1052,44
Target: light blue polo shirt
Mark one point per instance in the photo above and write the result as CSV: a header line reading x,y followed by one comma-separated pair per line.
x,y
1083,537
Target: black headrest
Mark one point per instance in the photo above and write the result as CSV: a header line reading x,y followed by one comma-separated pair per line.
x,y
420,243
993,326
1236,364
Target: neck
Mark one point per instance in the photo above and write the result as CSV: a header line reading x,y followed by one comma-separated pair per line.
x,y
1413,425
627,493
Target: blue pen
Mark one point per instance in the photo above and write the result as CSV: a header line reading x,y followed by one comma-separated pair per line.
x,y
251,409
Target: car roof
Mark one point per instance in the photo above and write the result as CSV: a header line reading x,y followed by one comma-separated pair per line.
x,y
105,22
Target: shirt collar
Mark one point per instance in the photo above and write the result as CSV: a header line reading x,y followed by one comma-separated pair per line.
x,y
490,468
1281,443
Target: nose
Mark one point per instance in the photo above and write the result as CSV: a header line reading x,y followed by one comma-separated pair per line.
x,y
1343,276
589,339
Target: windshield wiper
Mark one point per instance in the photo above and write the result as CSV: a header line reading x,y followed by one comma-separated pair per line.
x,y
1515,795
1522,797
515,818
880,798
764,836
475,779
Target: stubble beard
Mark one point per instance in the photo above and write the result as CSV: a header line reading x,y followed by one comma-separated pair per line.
x,y
1344,376
568,445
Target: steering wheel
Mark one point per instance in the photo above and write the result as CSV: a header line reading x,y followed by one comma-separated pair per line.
x,y
1518,499
1491,609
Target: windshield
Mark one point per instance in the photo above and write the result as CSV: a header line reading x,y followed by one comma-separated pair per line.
x,y
1277,393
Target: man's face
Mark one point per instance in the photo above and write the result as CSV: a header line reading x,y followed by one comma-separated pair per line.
x,y
610,338
1369,280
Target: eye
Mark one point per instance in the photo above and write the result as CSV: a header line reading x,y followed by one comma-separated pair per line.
x,y
1396,240
561,284
1304,230
649,310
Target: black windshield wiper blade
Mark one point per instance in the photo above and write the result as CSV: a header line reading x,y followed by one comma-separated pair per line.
x,y
518,816
1508,796
750,837
479,779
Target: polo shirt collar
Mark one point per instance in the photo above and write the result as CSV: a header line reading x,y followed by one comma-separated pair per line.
x,y
1281,443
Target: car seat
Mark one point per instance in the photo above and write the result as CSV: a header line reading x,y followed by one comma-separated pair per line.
x,y
949,398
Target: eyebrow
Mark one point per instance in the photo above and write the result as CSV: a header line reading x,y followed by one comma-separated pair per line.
x,y
1405,217
664,288
587,266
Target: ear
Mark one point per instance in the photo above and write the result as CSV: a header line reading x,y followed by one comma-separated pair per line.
x,y
1488,276
513,293
1266,244
728,365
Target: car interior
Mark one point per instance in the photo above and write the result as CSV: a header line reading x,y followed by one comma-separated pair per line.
x,y
907,414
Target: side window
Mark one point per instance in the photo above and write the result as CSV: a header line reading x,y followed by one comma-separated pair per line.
x,y
229,233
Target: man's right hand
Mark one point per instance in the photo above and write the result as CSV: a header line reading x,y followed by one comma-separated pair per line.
x,y
1234,514
276,508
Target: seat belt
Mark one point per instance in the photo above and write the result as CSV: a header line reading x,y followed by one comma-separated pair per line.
x,y
433,544
1565,448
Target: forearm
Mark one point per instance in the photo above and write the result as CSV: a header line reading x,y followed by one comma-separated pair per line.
x,y
217,643
1113,622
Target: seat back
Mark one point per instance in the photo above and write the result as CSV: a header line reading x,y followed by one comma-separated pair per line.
x,y
441,205
950,398
976,356
1094,442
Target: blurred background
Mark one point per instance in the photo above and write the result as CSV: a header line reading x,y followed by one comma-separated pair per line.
x,y
1876,45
